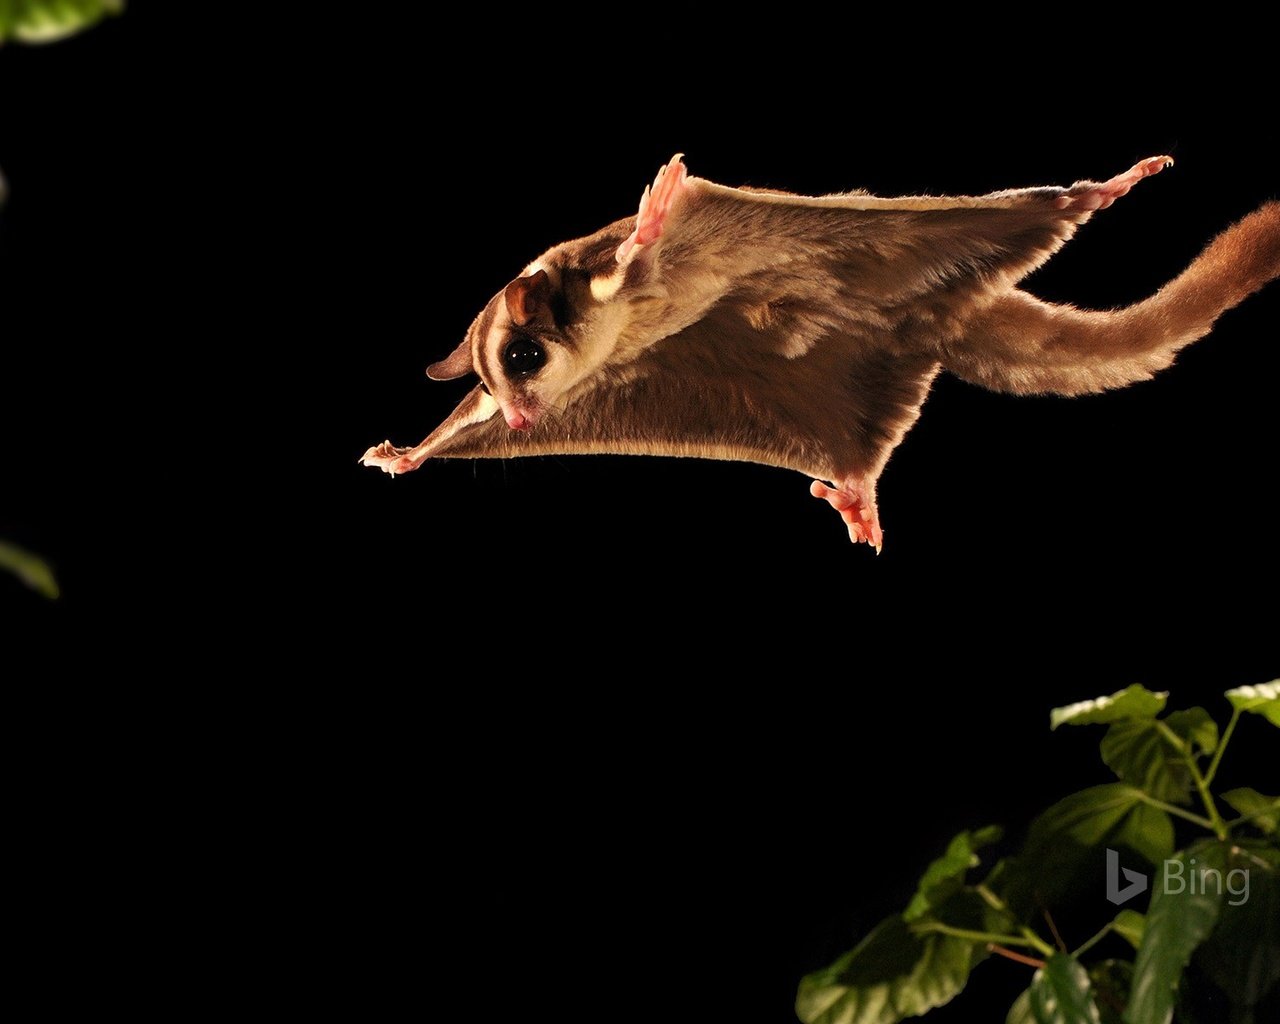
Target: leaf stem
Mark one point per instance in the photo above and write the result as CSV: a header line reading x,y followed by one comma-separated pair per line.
x,y
1215,819
1246,818
1029,937
1222,745
975,936
993,901
1088,944
1176,810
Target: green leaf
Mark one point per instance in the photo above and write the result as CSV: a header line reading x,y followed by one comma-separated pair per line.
x,y
1101,815
1264,849
1263,812
1020,1011
943,878
1242,955
1263,699
1062,851
1129,925
1135,702
1196,728
33,570
1061,993
892,974
1112,980
42,21
1146,830
1184,909
1139,754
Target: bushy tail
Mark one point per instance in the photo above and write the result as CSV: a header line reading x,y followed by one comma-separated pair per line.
x,y
1026,346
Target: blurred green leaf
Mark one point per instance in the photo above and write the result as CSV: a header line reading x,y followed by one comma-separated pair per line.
x,y
1061,993
1129,925
1134,702
43,21
1061,854
901,969
1112,980
1262,811
944,877
1263,699
1242,955
1184,909
33,570
1147,831
892,974
1020,1011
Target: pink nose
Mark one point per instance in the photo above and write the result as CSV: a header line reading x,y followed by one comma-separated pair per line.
x,y
517,420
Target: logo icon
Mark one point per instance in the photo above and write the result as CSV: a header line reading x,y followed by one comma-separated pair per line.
x,y
1136,879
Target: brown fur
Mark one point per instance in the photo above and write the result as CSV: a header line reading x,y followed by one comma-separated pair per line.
x,y
1023,345
805,332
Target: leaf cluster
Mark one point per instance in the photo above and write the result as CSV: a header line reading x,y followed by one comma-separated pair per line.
x,y
1199,952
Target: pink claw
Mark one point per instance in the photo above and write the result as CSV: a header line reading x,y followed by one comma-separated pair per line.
x,y
1099,197
856,504
655,205
390,459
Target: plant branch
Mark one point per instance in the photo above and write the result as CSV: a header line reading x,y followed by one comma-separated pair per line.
x,y
1176,810
1036,942
1216,823
1009,954
1222,745
1057,937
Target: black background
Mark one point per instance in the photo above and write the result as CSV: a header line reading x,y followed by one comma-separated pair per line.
x,y
599,735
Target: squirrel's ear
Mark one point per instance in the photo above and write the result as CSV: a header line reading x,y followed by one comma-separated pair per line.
x,y
528,297
456,364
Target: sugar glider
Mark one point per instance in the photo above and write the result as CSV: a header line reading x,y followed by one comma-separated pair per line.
x,y
734,323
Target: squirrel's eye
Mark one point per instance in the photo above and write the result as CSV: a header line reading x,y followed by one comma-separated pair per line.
x,y
523,355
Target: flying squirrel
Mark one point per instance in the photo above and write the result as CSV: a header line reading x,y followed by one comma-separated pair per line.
x,y
804,332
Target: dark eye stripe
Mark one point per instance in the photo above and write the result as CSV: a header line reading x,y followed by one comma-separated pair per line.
x,y
483,332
